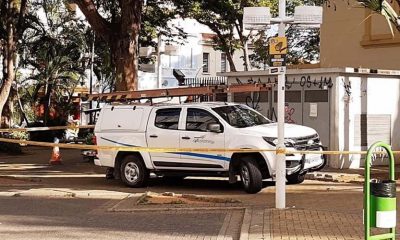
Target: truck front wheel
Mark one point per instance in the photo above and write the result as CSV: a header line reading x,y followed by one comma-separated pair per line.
x,y
250,175
296,178
133,171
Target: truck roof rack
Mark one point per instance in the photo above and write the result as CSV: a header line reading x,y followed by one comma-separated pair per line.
x,y
177,92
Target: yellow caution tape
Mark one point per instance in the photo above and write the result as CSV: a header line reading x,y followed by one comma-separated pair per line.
x,y
131,149
280,151
178,150
33,129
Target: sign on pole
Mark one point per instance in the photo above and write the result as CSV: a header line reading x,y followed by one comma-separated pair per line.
x,y
278,48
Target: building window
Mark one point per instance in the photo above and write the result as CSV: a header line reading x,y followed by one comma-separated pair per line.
x,y
206,62
223,62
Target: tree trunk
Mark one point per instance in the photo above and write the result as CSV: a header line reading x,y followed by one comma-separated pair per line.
x,y
10,49
245,45
246,56
8,112
47,103
122,38
21,107
232,67
4,54
126,65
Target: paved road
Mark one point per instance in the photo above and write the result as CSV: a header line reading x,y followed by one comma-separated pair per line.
x,y
43,218
71,201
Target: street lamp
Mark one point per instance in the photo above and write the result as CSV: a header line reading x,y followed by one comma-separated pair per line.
x,y
304,16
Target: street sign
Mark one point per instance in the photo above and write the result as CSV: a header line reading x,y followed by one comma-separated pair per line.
x,y
277,51
278,60
278,46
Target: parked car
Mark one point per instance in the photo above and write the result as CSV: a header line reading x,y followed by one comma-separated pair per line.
x,y
200,125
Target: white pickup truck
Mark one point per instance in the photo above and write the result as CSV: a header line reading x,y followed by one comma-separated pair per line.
x,y
200,125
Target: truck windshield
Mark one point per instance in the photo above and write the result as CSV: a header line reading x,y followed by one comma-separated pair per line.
x,y
241,116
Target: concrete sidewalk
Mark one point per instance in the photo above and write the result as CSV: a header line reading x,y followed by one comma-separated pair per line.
x,y
335,215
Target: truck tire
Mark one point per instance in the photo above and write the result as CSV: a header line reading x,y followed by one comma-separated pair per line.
x,y
296,178
133,171
250,175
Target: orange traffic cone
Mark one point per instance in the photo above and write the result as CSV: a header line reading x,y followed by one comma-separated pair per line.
x,y
55,155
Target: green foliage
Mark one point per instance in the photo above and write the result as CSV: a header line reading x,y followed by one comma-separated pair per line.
x,y
20,135
385,9
54,52
303,44
225,19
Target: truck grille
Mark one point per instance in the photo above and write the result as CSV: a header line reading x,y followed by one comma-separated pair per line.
x,y
307,143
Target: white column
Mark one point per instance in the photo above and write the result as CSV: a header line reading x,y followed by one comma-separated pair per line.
x,y
280,194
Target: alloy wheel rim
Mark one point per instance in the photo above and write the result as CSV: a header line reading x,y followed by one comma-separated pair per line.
x,y
131,172
245,175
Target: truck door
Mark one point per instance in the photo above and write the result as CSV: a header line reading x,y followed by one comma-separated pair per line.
x,y
196,135
162,132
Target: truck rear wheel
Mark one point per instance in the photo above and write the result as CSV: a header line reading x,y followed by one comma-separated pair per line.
x,y
250,175
133,171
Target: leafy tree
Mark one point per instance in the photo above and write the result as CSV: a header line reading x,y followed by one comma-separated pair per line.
x,y
225,19
12,26
120,23
53,51
303,43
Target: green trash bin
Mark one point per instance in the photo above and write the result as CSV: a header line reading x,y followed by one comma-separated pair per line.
x,y
383,204
380,198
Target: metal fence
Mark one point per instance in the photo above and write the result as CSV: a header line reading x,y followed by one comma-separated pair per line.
x,y
205,81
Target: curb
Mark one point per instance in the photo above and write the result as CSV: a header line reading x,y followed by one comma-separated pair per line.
x,y
335,177
173,209
65,193
321,177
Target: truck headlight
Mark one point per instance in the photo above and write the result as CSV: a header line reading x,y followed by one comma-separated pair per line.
x,y
274,141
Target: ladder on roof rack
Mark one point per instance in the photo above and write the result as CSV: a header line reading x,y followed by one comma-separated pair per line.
x,y
177,92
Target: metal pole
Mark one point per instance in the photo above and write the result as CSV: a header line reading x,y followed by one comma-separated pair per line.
x,y
280,194
159,68
91,79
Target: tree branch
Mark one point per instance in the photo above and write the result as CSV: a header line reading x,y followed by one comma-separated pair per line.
x,y
96,21
21,17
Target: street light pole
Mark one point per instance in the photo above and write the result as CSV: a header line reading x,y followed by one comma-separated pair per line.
x,y
308,16
280,196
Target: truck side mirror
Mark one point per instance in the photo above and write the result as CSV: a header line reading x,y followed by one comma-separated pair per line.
x,y
214,127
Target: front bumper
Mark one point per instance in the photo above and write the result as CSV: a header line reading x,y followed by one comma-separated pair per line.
x,y
302,163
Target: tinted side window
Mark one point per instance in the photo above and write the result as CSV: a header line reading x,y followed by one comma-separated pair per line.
x,y
197,120
168,118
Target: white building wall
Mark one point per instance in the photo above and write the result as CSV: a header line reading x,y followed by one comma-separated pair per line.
x,y
351,94
370,95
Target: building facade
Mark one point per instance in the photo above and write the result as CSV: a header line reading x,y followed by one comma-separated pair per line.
x,y
350,108
195,58
353,36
